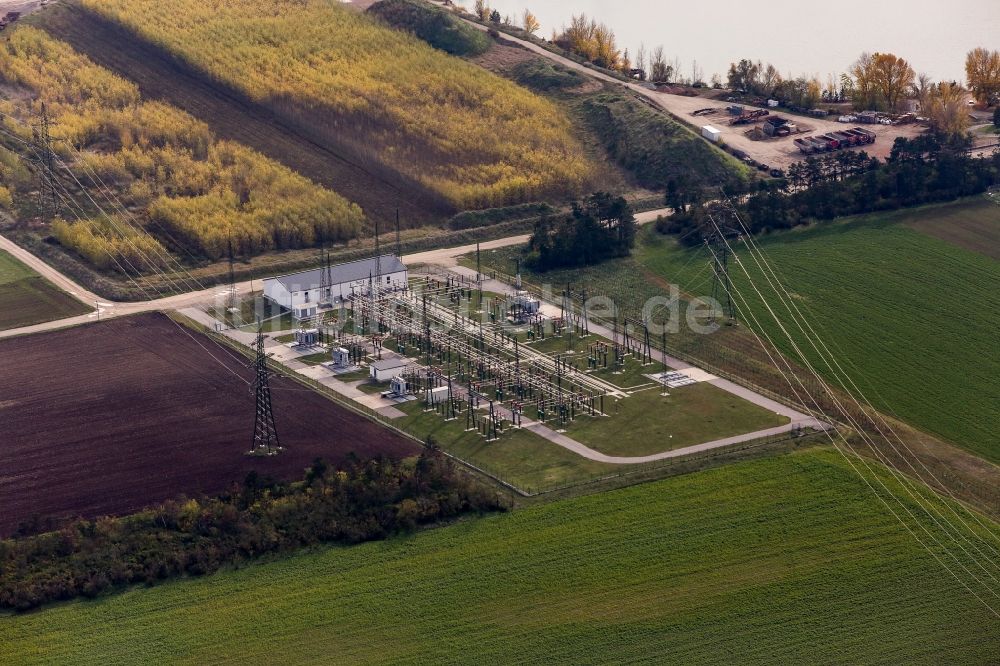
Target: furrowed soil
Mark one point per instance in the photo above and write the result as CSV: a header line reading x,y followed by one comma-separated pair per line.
x,y
111,417
230,115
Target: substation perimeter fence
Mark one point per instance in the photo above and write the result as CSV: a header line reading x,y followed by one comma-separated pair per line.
x,y
362,410
631,470
680,461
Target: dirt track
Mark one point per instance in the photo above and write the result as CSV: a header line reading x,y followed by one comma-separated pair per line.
x,y
779,153
110,417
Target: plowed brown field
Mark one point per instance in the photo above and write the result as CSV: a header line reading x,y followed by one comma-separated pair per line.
x,y
114,416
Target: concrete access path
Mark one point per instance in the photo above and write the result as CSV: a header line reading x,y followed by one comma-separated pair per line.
x,y
104,308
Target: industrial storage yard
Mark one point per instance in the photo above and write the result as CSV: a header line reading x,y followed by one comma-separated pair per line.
x,y
113,417
778,152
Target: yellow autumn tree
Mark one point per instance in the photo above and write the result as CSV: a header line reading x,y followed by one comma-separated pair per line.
x,y
881,81
530,22
982,71
947,110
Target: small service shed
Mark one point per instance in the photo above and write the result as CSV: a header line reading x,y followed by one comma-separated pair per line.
x,y
437,395
386,369
302,311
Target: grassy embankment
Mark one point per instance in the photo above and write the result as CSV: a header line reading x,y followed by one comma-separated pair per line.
x,y
644,144
782,560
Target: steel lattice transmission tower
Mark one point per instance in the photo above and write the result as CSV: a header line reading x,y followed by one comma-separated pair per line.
x,y
719,239
722,286
43,141
265,435
231,300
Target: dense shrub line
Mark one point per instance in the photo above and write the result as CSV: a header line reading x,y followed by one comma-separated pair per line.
x,y
438,28
363,501
918,171
600,228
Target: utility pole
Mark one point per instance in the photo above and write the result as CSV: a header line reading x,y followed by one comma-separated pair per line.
x,y
231,298
479,277
399,250
265,436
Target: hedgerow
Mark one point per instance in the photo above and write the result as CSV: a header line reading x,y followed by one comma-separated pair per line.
x,y
366,500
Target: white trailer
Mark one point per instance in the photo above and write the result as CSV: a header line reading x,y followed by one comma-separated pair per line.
x,y
711,133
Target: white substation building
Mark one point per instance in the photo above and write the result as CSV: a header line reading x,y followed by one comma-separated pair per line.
x,y
304,292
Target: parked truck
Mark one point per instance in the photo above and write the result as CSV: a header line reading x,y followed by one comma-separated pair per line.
x,y
846,140
806,146
867,133
819,145
831,140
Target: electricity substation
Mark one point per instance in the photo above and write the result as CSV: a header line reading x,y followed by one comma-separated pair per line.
x,y
469,354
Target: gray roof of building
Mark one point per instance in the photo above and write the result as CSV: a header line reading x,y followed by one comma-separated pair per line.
x,y
390,363
352,271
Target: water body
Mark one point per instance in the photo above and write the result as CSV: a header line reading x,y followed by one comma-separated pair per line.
x,y
798,37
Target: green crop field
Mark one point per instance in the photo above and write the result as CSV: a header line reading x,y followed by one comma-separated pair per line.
x,y
913,318
973,225
27,298
779,560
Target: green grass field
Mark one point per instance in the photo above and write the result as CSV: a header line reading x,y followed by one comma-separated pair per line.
x,y
647,422
688,415
520,457
27,298
780,560
913,318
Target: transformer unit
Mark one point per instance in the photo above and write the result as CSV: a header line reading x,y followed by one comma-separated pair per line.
x,y
397,386
341,357
307,337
